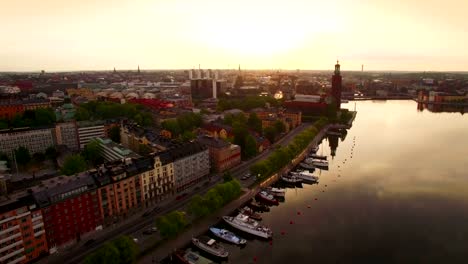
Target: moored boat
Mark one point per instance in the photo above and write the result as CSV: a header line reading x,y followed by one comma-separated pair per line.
x,y
266,197
305,176
278,192
306,166
190,257
228,236
244,223
314,149
210,245
250,212
316,156
291,179
258,206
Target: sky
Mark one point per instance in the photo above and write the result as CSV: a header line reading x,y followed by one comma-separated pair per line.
x,y
57,35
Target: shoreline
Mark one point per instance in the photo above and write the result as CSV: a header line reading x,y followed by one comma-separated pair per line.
x,y
200,227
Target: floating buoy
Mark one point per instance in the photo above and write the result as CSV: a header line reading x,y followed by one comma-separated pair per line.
x,y
255,259
316,199
308,206
323,190
271,243
282,232
325,185
291,222
298,213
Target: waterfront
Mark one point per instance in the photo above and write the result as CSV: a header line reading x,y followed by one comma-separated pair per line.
x,y
396,191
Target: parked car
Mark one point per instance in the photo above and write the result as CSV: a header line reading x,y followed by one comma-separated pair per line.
x,y
179,197
156,209
246,176
150,231
89,242
147,213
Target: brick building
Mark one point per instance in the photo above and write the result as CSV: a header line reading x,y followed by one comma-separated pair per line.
x,y
223,155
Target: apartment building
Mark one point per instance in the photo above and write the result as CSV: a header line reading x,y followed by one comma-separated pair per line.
x,y
223,155
35,140
88,131
22,234
67,134
112,151
191,164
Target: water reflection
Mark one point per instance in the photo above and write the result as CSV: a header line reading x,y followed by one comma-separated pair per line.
x,y
437,108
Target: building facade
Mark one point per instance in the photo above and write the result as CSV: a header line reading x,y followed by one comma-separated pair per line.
x,y
35,140
70,208
22,234
191,164
89,131
112,151
67,134
223,155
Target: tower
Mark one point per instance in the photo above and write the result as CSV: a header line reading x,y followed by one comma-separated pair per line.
x,y
138,69
336,85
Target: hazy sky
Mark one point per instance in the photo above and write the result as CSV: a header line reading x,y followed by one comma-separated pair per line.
x,y
287,34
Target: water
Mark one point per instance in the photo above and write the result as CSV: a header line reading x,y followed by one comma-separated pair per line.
x,y
396,192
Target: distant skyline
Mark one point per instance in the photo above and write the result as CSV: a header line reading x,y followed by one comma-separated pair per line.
x,y
384,35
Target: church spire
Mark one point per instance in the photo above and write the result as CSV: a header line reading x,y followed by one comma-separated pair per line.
x,y
337,68
138,69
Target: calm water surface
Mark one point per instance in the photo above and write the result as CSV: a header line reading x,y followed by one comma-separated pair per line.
x,y
396,192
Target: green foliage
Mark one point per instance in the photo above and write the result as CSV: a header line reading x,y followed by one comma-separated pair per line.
x,y
184,123
96,110
144,149
38,157
188,135
92,153
247,103
22,155
280,127
283,155
214,199
74,164
122,250
250,147
171,224
31,118
270,134
5,157
51,153
114,134
231,119
227,176
255,123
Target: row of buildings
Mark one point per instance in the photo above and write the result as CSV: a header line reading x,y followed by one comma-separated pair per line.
x,y
61,210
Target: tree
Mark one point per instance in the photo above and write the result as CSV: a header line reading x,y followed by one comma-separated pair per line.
x,y
250,147
92,153
22,155
280,127
5,157
270,134
172,126
171,224
255,123
144,150
74,164
197,206
82,114
38,157
114,134
107,254
51,153
213,200
188,135
227,176
128,250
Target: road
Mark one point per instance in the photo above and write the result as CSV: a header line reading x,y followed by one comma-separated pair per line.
x,y
136,224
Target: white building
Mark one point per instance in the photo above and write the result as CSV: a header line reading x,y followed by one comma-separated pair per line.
x,y
112,151
88,132
35,140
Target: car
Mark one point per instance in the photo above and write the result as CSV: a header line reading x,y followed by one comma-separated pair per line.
x,y
156,209
246,176
135,240
147,213
179,197
150,231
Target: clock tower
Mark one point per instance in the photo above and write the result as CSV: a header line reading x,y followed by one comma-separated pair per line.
x,y
336,86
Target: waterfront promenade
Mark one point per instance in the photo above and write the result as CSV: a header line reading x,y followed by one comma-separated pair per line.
x,y
202,225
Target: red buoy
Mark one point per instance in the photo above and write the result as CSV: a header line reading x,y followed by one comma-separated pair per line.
x,y
282,232
316,199
291,222
308,206
255,259
298,213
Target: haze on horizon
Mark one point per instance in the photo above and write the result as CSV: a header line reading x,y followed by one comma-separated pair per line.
x,y
56,35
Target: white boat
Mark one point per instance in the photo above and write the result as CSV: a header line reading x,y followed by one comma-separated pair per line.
x,y
305,175
250,213
191,257
210,246
307,166
244,223
267,197
278,192
316,162
291,179
314,149
316,156
228,236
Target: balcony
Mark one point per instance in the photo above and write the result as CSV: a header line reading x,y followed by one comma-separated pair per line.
x,y
23,215
14,253
36,218
20,242
39,233
9,230
18,260
10,238
6,220
38,225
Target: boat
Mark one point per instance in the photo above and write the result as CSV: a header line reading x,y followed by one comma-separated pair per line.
x,y
305,175
258,206
190,257
250,212
228,236
244,223
307,166
278,192
314,149
291,179
266,197
316,162
209,245
316,156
